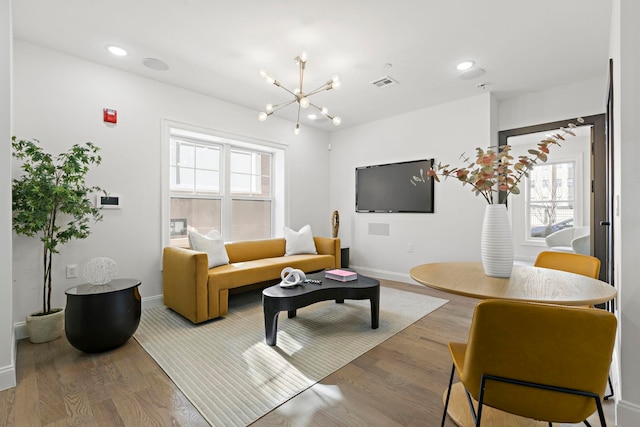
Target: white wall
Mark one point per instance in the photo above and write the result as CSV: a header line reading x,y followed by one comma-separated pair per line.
x,y
452,232
7,342
442,132
626,223
58,99
583,98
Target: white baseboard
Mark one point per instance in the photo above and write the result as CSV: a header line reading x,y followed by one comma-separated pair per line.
x,y
8,373
384,274
20,328
627,414
154,301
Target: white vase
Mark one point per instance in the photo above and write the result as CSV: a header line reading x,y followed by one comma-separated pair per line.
x,y
496,243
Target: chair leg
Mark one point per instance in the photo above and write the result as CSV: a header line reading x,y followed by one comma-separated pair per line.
x,y
480,402
603,422
446,403
610,395
476,417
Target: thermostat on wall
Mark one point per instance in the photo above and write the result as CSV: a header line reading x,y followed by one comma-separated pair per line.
x,y
110,201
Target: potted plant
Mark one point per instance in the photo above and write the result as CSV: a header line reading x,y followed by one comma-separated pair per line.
x,y
51,200
492,171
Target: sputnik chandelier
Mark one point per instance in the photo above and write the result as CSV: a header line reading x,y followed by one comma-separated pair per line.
x,y
299,96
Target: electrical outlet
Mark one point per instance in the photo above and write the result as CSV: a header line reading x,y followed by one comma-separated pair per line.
x,y
72,271
410,247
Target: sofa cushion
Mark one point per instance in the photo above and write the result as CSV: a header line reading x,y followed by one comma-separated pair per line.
x,y
212,244
242,273
248,250
299,242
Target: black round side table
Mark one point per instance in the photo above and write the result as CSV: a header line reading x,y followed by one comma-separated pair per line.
x,y
102,317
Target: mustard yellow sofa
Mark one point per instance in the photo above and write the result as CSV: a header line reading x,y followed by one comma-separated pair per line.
x,y
200,293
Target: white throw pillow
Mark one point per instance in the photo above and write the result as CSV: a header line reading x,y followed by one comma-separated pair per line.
x,y
299,242
212,244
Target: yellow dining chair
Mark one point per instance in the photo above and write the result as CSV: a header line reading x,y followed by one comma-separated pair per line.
x,y
573,263
584,265
541,361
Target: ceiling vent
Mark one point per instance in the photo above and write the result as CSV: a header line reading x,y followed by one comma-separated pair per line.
x,y
384,82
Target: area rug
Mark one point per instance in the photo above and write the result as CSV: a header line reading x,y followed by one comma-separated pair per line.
x,y
225,368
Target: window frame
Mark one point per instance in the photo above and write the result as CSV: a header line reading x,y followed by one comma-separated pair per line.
x,y
277,152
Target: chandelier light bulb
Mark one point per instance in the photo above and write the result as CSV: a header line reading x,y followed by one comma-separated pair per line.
x,y
335,82
269,108
324,110
270,80
297,129
262,116
336,121
304,102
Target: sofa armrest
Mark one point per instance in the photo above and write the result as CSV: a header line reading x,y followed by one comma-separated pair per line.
x,y
184,282
329,246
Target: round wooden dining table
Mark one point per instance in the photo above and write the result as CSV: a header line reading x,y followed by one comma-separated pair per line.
x,y
526,283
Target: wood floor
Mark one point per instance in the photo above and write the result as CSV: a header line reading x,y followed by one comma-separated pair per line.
x,y
398,383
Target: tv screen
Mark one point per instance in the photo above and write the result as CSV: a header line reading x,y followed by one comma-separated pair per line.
x,y
395,187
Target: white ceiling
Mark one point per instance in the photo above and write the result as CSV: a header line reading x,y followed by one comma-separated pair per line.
x,y
218,47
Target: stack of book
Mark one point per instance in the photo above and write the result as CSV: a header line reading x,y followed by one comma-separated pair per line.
x,y
341,275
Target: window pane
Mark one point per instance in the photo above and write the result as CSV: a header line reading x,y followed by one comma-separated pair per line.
x,y
240,184
186,154
551,207
202,215
240,162
251,219
183,180
207,157
250,174
207,181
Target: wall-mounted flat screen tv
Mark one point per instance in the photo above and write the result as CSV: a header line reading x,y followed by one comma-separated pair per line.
x,y
395,187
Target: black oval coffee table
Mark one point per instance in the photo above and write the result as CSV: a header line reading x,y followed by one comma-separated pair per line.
x,y
102,317
276,298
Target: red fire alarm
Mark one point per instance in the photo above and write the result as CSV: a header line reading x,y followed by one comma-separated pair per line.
x,y
109,115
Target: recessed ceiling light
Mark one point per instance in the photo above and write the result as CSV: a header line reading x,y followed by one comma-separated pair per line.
x,y
117,51
465,65
312,116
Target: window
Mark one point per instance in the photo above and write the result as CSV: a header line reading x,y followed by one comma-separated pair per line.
x,y
550,208
250,192
219,184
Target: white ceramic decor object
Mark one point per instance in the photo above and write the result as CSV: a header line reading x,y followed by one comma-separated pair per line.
x,y
496,244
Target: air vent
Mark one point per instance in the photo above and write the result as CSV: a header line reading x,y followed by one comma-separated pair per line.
x,y
384,82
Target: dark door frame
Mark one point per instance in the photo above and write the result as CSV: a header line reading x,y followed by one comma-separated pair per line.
x,y
600,179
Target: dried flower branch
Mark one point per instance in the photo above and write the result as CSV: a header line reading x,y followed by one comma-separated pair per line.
x,y
494,170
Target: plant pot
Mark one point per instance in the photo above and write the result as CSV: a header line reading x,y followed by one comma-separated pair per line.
x,y
496,244
44,328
